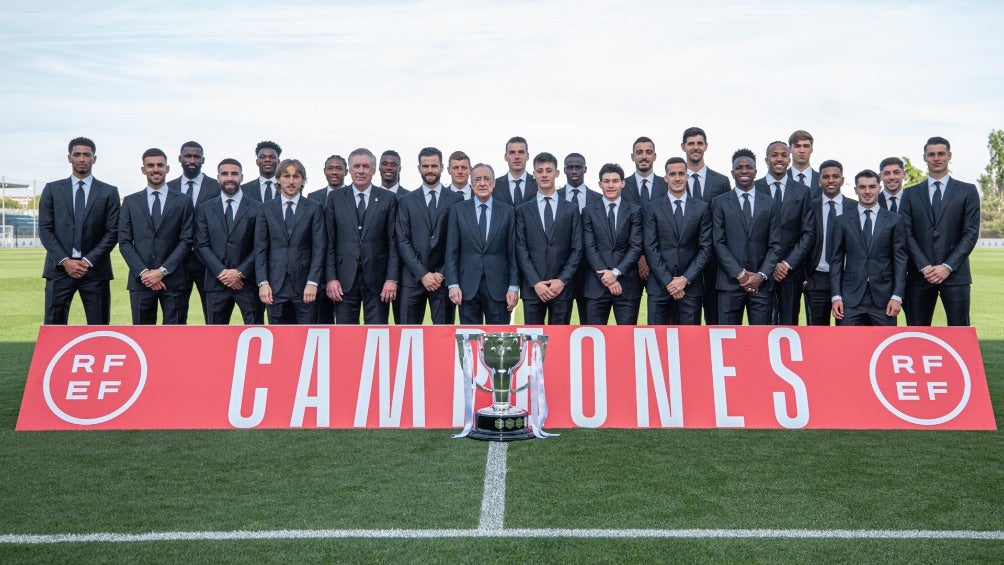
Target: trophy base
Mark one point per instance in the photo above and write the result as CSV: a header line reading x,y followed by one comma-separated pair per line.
x,y
493,426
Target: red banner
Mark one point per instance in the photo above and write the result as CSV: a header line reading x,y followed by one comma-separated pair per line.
x,y
224,377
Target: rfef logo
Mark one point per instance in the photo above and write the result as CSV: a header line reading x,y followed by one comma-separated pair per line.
x,y
95,378
920,378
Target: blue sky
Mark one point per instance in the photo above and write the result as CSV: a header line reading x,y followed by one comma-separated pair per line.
x,y
868,79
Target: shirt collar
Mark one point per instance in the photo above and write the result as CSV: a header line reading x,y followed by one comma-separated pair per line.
x,y
943,180
673,199
197,180
640,178
295,199
88,180
522,178
703,172
236,197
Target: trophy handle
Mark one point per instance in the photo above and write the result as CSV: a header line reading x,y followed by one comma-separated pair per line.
x,y
529,341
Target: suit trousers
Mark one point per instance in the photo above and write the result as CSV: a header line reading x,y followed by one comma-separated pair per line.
x,y
598,310
557,311
663,309
921,299
220,306
732,303
144,306
375,311
288,306
94,294
413,300
866,314
787,301
710,297
818,299
197,280
482,309
325,307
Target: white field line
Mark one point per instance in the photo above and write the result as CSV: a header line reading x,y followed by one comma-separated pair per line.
x,y
503,533
493,499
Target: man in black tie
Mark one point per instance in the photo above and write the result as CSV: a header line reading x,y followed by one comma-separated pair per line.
x,y
290,243
868,263
334,173
828,207
224,241
677,235
942,217
390,173
893,173
517,185
156,228
800,142
704,184
644,185
459,169
265,187
78,222
746,228
200,188
576,192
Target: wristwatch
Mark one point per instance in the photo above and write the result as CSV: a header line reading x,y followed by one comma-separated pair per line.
x,y
163,271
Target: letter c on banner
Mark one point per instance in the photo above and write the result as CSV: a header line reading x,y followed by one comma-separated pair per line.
x,y
240,372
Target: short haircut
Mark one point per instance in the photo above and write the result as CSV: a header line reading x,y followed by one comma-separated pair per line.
x,y
517,139
459,156
611,168
429,152
483,165
296,164
800,135
773,143
574,156
365,152
390,153
154,152
230,161
937,140
267,145
545,157
194,144
831,163
345,165
81,141
892,161
694,131
642,139
742,153
673,161
867,173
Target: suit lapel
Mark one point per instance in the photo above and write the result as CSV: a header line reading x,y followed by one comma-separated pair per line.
x,y
91,197
947,195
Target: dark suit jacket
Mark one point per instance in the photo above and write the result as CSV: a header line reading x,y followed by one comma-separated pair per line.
x,y
855,269
503,193
252,189
813,184
469,258
209,190
101,227
298,256
885,204
219,248
798,222
604,250
948,238
755,249
421,241
850,206
321,197
591,196
144,247
672,253
372,248
632,193
542,258
715,184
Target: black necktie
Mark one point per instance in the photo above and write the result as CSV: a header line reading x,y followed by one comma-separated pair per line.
x,y
867,230
517,196
678,215
191,188
831,218
268,190
483,222
801,178
696,190
936,200
777,193
892,205
612,220
747,210
644,192
361,209
229,215
289,218
155,213
575,197
548,216
432,206
79,206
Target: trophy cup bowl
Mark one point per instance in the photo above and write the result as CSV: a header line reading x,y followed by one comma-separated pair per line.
x,y
501,354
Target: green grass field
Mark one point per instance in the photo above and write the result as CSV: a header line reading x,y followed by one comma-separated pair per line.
x,y
378,480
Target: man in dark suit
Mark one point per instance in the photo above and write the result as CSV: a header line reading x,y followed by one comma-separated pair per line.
x,y
362,266
704,184
481,271
644,185
290,241
893,172
335,168
548,248
265,187
577,193
517,185
800,142
155,235
868,263
224,241
200,188
612,242
78,223
459,170
677,235
746,229
798,234
942,218
422,217
830,206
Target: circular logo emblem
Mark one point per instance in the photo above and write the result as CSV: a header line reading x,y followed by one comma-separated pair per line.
x,y
920,378
94,378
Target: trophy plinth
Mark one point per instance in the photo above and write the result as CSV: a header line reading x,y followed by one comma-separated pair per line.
x,y
490,425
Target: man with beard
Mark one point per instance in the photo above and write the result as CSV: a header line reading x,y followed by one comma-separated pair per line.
x,y
155,236
390,173
200,188
78,222
893,173
334,173
265,187
224,241
517,185
459,169
576,192
798,219
421,241
828,207
644,185
800,142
